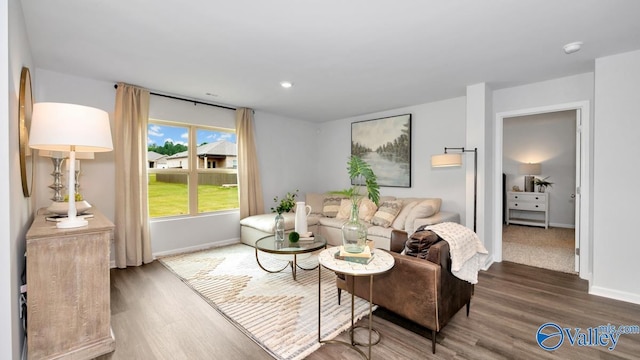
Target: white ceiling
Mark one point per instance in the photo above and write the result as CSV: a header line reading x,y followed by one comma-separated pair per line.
x,y
345,58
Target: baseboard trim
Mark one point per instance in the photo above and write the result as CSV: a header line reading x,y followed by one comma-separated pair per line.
x,y
189,249
566,226
615,294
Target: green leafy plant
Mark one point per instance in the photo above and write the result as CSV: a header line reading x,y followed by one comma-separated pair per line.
x,y
286,204
543,182
361,175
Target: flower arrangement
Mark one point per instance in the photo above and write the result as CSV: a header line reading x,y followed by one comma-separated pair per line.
x,y
286,204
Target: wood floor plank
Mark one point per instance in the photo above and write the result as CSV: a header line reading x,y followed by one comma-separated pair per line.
x,y
156,316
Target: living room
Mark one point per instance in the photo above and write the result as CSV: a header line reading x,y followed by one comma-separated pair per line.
x,y
467,118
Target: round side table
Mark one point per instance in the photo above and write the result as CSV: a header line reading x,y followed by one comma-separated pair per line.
x,y
381,263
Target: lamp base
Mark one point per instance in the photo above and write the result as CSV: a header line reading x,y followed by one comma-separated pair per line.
x,y
72,223
528,183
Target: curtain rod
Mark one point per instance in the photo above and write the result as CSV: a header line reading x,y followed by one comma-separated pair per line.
x,y
188,100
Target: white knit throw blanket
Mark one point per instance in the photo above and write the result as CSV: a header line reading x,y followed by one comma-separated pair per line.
x,y
467,252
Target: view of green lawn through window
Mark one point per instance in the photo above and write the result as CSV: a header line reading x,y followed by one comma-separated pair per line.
x,y
170,199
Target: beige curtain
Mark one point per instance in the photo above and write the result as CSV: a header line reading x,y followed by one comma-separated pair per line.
x,y
133,245
249,188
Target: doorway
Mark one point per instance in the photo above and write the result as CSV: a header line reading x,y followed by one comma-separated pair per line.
x,y
581,201
540,220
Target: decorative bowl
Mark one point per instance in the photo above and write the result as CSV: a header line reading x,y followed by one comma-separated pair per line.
x,y
62,207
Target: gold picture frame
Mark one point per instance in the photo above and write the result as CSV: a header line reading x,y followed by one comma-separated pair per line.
x,y
24,124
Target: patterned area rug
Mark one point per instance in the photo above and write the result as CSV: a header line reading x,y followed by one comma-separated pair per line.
x,y
278,313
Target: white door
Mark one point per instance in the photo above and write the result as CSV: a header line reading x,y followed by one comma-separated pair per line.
x,y
576,195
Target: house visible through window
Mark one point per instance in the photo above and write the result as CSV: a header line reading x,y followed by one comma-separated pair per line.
x,y
192,169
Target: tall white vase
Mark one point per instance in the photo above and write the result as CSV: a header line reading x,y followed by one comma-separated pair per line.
x,y
302,211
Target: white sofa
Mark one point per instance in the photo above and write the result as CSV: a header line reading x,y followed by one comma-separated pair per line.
x,y
413,213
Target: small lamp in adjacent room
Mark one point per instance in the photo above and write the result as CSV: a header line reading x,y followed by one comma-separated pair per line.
x,y
529,170
70,128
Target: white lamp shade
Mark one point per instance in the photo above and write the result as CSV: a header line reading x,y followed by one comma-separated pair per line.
x,y
446,160
529,169
65,154
65,127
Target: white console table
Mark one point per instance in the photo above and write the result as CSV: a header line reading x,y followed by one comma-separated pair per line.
x,y
519,203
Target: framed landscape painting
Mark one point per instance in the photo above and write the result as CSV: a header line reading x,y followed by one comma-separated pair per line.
x,y
385,144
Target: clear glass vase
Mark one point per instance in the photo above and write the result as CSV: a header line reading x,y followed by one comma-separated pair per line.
x,y
354,232
279,228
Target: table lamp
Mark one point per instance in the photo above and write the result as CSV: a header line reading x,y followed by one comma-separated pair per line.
x,y
529,170
70,128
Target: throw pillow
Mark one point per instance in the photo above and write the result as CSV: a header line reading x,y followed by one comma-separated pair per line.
x,y
386,213
367,209
365,212
315,200
331,206
422,210
345,209
398,223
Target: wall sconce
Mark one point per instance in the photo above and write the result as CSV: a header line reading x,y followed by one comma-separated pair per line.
x,y
455,159
529,170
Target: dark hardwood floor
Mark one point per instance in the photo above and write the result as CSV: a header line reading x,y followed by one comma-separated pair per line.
x,y
156,316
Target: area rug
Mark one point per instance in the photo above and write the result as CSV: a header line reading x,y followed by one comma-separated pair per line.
x,y
278,313
551,248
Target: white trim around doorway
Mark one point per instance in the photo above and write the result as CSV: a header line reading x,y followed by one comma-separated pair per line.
x,y
586,243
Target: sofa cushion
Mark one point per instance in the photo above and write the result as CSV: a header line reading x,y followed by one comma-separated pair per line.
x,y
331,222
366,210
316,201
345,209
400,220
386,213
331,206
422,210
379,231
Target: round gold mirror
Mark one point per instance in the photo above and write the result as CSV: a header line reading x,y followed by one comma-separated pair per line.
x,y
24,112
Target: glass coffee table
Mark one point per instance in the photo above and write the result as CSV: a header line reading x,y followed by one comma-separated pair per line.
x,y
289,250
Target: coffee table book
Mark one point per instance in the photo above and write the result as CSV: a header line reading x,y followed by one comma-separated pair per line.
x,y
364,257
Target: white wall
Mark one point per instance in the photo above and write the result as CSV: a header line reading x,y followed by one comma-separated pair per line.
x,y
548,139
615,231
16,211
433,126
479,134
288,152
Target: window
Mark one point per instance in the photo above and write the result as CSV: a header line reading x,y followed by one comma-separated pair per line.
x,y
192,169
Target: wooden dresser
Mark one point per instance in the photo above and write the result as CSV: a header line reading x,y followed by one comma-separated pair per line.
x,y
68,294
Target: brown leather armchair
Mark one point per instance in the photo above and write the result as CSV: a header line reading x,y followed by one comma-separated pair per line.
x,y
421,290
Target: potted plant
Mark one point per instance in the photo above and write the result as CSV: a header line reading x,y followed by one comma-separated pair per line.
x,y
354,232
285,205
542,184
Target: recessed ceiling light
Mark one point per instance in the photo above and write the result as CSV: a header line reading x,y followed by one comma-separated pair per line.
x,y
286,84
572,47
